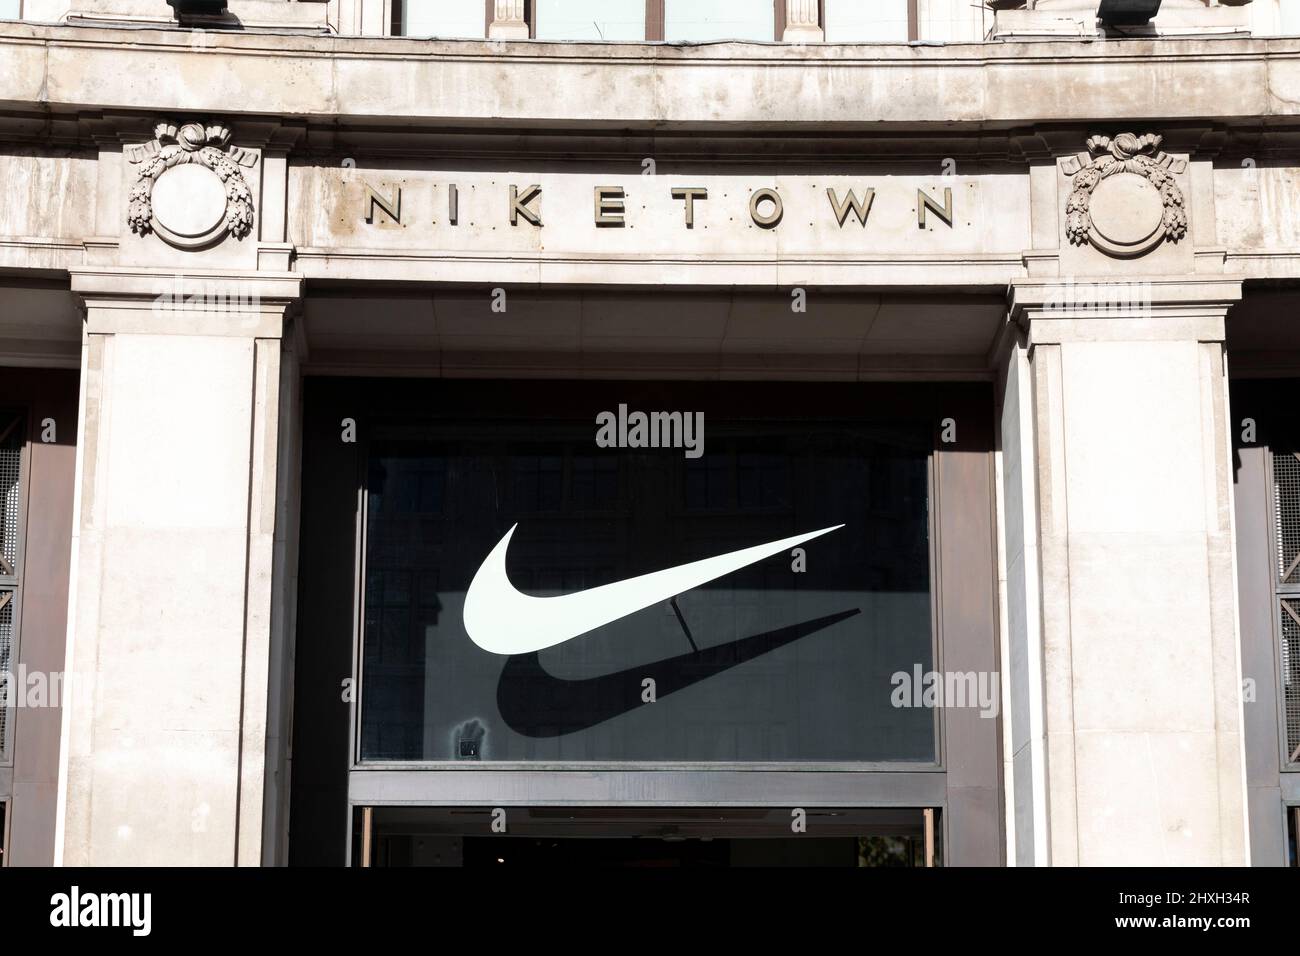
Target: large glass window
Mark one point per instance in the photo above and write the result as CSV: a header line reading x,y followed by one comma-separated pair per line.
x,y
9,9
881,21
593,20
693,21
788,655
452,19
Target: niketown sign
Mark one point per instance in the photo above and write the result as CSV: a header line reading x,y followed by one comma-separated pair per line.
x,y
704,225
615,206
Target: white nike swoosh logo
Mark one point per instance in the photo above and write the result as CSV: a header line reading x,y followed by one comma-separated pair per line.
x,y
499,619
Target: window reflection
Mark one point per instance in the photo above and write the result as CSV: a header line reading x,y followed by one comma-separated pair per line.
x,y
591,20
536,482
698,21
450,19
852,21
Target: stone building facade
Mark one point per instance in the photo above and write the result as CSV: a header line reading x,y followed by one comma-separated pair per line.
x,y
244,257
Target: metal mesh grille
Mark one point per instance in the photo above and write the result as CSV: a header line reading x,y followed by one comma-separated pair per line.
x,y
6,648
1286,503
1286,495
1291,675
11,448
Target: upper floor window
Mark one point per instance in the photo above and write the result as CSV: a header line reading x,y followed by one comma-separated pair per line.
x,y
452,19
676,21
701,20
590,20
9,9
880,21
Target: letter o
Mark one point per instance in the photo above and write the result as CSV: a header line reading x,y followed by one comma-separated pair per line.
x,y
772,218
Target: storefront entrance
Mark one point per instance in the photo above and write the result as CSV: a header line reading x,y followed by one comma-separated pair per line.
x,y
644,837
759,599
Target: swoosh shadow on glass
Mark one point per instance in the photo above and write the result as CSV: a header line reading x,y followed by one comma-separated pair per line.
x,y
536,703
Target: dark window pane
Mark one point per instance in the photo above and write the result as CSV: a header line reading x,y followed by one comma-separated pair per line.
x,y
787,658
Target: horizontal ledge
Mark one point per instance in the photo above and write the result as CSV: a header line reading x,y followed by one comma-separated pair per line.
x,y
720,52
775,86
631,787
130,286
986,273
693,366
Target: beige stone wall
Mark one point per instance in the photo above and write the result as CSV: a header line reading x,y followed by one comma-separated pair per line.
x,y
52,193
1140,659
164,757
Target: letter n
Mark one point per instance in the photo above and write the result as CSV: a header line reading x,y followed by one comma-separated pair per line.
x,y
925,202
391,208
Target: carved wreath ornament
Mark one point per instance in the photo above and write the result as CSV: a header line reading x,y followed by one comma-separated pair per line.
x,y
1142,204
194,214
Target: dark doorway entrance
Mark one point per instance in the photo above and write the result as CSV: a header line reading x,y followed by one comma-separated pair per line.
x,y
643,837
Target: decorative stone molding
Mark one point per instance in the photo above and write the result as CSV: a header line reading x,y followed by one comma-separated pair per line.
x,y
1149,309
190,190
1125,201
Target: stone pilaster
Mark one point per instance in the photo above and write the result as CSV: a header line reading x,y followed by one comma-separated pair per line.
x,y
1124,651
164,752
508,21
801,23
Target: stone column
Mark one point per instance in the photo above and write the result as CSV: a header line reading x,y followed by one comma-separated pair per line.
x,y
801,25
508,21
170,626
1118,483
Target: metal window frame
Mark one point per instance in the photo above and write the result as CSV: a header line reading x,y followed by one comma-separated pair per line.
x,y
1294,814
1280,592
11,717
7,807
654,20
14,582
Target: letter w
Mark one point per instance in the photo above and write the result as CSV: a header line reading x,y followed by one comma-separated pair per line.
x,y
861,208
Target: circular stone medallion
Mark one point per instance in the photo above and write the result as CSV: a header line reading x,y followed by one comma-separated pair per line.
x,y
189,205
1127,215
